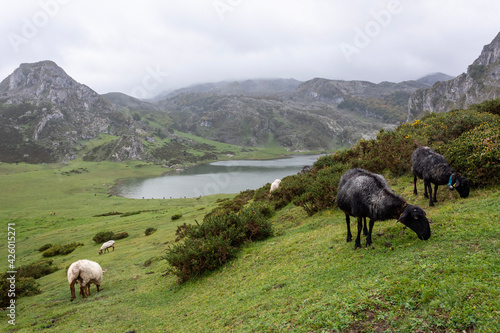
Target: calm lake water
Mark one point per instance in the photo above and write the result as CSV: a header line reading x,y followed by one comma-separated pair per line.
x,y
214,178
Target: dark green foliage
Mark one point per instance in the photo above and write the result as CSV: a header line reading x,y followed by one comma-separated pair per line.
x,y
37,269
209,245
490,106
477,154
23,287
175,217
103,236
120,235
61,249
131,213
45,247
233,205
75,171
149,231
108,214
321,193
136,116
25,284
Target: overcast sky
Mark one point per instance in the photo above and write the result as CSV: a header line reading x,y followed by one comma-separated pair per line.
x,y
142,48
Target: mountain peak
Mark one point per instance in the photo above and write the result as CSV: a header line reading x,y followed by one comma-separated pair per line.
x,y
479,83
432,78
44,81
490,53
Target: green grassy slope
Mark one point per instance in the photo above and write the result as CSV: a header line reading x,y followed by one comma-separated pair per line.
x,y
305,279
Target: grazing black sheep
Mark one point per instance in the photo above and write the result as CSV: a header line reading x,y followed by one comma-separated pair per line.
x,y
364,194
433,168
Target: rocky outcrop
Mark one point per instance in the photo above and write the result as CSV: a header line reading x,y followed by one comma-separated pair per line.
x,y
481,82
125,148
51,113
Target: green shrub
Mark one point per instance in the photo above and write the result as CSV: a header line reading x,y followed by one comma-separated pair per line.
x,y
37,269
45,247
24,287
476,154
61,249
490,106
209,245
25,280
322,193
175,217
120,235
103,236
149,231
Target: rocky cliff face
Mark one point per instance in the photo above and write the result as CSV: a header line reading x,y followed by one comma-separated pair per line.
x,y
481,82
49,113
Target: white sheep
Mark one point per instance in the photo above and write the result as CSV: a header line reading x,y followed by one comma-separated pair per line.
x,y
107,245
84,272
275,185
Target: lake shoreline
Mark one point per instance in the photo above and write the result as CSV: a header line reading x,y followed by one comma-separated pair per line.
x,y
229,176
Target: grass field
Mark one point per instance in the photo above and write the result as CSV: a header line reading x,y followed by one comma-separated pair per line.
x,y
304,279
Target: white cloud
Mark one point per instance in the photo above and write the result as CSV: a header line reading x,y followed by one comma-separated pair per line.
x,y
114,45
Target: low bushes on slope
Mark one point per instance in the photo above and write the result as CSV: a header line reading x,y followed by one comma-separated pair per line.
x,y
469,139
25,283
209,245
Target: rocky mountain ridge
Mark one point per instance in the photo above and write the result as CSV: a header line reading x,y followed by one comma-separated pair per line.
x,y
44,110
480,82
46,115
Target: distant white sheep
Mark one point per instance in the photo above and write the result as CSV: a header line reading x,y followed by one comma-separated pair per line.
x,y
275,185
106,246
84,272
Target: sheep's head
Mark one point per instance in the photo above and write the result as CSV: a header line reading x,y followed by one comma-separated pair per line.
x,y
461,184
100,251
414,218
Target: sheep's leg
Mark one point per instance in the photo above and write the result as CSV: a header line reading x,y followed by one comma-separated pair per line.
x,y
429,185
358,239
72,289
365,229
113,248
83,291
435,192
426,184
98,288
88,289
415,184
369,237
348,222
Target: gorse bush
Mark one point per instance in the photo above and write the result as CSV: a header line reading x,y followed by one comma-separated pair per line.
x,y
120,235
477,154
149,231
36,270
103,236
175,217
58,249
209,245
24,287
45,247
25,284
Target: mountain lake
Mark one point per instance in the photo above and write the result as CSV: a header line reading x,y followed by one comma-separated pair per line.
x,y
214,178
